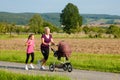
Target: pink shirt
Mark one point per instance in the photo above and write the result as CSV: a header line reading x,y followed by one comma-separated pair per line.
x,y
30,46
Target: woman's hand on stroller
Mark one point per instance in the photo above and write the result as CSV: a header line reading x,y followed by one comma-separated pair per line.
x,y
53,44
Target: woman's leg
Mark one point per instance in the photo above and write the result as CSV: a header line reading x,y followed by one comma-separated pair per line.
x,y
45,53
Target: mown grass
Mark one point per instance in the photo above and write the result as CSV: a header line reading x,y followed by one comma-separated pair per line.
x,y
83,61
5,75
7,36
55,35
97,62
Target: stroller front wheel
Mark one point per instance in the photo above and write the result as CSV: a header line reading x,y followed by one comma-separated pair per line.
x,y
69,67
51,67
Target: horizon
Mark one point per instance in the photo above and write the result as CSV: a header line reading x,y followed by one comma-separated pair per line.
x,y
57,12
109,7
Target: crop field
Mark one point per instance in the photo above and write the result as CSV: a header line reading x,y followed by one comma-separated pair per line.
x,y
82,45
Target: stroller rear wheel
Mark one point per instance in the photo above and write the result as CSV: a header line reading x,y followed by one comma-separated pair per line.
x,y
51,67
65,67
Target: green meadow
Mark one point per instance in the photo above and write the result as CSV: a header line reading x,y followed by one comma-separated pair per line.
x,y
81,61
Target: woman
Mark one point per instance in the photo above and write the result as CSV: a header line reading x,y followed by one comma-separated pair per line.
x,y
46,40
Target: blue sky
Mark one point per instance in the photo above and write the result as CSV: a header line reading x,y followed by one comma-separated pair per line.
x,y
111,7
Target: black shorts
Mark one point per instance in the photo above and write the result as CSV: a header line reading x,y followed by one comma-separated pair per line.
x,y
45,53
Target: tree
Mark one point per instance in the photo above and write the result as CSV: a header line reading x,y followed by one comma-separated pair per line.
x,y
70,18
36,24
115,30
11,28
86,29
18,29
3,27
51,26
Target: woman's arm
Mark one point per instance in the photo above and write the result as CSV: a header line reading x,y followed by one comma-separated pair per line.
x,y
52,41
42,40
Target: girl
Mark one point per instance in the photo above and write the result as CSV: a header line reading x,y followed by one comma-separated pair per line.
x,y
46,39
30,51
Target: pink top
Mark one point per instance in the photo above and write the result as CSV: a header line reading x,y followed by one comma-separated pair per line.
x,y
30,46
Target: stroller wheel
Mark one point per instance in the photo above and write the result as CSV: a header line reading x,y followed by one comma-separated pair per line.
x,y
65,67
51,67
69,67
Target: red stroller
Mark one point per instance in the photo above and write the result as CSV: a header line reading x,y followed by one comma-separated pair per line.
x,y
65,52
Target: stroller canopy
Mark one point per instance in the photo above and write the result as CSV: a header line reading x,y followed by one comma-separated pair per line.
x,y
64,49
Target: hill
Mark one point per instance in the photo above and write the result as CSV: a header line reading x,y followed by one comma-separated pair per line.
x,y
100,19
23,18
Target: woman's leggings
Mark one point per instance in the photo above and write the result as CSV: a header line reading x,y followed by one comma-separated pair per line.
x,y
27,57
45,53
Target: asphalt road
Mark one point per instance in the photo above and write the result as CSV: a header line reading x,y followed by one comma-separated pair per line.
x,y
74,75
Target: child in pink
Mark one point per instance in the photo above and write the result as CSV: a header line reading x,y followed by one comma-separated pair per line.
x,y
30,51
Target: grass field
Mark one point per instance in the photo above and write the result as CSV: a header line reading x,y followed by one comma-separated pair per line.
x,y
83,61
88,54
55,35
5,75
97,62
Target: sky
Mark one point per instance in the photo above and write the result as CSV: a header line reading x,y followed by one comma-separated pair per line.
x,y
111,7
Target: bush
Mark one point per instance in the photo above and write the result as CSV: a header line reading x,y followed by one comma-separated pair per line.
x,y
114,30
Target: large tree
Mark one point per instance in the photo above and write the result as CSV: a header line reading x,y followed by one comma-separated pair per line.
x,y
70,18
36,24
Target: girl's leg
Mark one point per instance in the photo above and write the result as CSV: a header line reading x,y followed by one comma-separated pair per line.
x,y
27,58
32,59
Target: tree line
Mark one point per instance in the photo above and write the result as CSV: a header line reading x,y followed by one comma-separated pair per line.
x,y
113,31
36,25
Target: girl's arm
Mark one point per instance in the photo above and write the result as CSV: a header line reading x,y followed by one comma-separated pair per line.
x,y
28,43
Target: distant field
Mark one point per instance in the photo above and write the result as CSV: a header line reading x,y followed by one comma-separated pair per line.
x,y
77,42
55,35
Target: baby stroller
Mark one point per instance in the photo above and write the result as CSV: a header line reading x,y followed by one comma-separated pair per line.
x,y
63,51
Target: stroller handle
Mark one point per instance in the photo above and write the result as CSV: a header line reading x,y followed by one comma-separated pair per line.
x,y
52,49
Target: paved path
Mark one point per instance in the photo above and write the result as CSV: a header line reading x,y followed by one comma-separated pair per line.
x,y
74,75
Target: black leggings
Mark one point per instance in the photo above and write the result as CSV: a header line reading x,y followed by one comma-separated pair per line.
x,y
27,57
45,53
